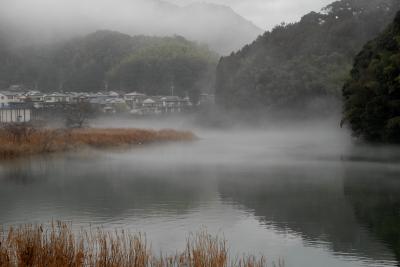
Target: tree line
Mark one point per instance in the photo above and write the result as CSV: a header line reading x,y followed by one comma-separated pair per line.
x,y
301,67
372,93
107,60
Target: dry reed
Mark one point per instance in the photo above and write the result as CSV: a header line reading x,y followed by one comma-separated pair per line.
x,y
40,141
57,245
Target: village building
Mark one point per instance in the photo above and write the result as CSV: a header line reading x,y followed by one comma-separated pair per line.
x,y
104,102
172,104
101,98
12,97
56,98
3,100
33,96
113,94
78,97
134,99
36,98
114,105
15,114
161,105
151,106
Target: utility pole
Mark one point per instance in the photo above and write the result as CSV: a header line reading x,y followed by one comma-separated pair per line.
x,y
172,89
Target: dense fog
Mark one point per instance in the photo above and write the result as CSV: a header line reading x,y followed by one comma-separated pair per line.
x,y
42,21
224,25
290,191
268,13
277,164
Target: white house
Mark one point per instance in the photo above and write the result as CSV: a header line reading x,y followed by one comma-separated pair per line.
x,y
56,98
151,106
78,97
135,99
171,104
149,103
134,96
3,100
34,96
12,97
113,94
98,98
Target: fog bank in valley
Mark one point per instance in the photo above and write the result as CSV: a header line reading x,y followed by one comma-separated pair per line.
x,y
268,13
46,21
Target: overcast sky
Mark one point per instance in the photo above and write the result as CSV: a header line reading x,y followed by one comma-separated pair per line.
x,y
264,13
268,13
41,21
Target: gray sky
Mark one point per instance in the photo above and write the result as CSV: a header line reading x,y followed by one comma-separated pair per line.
x,y
263,13
268,13
41,21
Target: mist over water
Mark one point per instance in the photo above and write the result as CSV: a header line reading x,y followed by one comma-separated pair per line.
x,y
306,194
271,171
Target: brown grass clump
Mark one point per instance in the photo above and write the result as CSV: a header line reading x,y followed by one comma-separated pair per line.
x,y
16,142
57,245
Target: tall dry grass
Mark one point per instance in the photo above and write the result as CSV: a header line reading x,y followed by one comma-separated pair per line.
x,y
57,245
35,141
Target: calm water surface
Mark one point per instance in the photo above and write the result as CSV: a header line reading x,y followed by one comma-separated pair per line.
x,y
311,198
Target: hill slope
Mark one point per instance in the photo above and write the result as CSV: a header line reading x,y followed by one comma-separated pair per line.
x,y
372,94
190,69
82,64
299,65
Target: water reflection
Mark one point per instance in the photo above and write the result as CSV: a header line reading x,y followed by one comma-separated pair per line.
x,y
375,196
309,201
313,207
65,185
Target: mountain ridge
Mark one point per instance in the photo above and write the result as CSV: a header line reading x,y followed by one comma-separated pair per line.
x,y
218,26
298,66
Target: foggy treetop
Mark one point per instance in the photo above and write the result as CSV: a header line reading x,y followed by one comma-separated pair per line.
x,y
111,60
296,65
372,94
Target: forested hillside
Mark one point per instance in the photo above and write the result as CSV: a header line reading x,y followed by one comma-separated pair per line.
x,y
82,64
372,94
173,62
299,66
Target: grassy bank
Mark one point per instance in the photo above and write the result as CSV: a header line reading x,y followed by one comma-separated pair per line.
x,y
38,246
17,142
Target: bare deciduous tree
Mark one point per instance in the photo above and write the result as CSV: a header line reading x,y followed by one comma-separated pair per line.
x,y
77,115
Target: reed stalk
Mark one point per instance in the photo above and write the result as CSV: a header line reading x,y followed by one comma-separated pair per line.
x,y
57,246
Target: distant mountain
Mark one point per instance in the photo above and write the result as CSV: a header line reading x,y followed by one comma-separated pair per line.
x,y
302,66
218,26
372,94
114,61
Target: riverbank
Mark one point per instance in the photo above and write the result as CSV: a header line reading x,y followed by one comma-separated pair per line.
x,y
57,245
18,142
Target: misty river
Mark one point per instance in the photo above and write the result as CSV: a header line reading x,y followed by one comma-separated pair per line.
x,y
308,195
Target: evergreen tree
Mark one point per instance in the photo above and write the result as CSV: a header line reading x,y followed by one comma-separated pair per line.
x,y
296,66
372,94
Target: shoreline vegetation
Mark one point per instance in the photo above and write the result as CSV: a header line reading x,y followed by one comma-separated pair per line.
x,y
18,141
57,245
